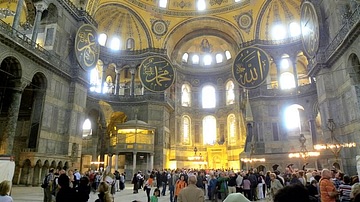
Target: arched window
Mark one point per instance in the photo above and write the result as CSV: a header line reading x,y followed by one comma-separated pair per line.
x,y
186,123
278,32
108,85
87,131
207,59
228,55
230,95
185,57
163,3
201,5
195,59
287,80
95,78
219,58
130,44
102,39
208,97
294,29
115,43
185,95
209,130
292,117
231,124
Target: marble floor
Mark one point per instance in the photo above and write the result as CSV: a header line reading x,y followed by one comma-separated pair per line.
x,y
35,194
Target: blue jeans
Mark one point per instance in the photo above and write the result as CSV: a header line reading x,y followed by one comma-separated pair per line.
x,y
163,188
171,189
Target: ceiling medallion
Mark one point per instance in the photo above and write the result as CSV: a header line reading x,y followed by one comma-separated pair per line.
x,y
245,21
159,27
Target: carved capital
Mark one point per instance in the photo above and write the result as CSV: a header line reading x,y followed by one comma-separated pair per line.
x,y
41,6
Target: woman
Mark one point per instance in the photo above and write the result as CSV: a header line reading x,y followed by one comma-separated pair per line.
x,y
180,184
154,198
4,191
148,185
275,185
261,180
104,194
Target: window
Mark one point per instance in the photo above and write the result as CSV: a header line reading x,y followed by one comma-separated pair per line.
x,y
292,117
294,29
201,5
278,32
287,80
185,96
102,39
284,63
228,55
208,97
231,129
207,60
115,44
163,3
130,44
209,130
195,59
219,58
185,57
186,130
87,131
230,95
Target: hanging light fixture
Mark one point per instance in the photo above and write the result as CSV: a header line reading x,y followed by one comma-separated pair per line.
x,y
6,12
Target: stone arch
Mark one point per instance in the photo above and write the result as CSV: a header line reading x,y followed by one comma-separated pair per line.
x,y
60,165
261,168
37,176
53,164
66,166
353,66
26,172
50,15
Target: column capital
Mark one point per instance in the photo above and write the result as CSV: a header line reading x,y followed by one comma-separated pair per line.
x,y
41,5
19,84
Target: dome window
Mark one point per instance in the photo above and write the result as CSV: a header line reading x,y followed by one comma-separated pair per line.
x,y
278,32
185,57
207,60
228,55
195,59
115,44
201,5
130,44
163,3
102,39
219,58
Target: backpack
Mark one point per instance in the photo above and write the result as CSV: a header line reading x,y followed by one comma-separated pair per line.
x,y
45,183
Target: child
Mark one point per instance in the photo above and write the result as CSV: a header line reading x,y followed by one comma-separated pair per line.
x,y
154,198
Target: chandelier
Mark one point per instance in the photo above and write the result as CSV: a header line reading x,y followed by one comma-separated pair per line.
x,y
303,153
334,145
6,12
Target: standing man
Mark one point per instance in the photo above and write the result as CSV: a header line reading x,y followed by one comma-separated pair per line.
x,y
77,177
327,188
191,193
47,185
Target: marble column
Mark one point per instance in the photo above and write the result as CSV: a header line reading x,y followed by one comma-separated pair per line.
x,y
116,161
293,61
278,71
17,16
151,162
132,85
134,163
7,143
103,77
19,176
117,81
30,176
110,160
312,127
40,7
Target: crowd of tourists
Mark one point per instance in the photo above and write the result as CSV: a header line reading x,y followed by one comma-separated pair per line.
x,y
195,185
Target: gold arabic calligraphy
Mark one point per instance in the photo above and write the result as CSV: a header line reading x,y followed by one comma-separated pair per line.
x,y
250,68
158,73
87,46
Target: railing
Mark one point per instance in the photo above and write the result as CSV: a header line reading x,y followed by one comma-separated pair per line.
x,y
119,53
81,14
263,92
270,42
30,45
353,19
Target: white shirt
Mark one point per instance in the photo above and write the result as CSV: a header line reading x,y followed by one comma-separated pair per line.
x,y
6,198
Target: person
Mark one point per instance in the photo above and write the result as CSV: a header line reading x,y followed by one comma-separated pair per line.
x,y
328,192
154,197
117,178
236,197
345,190
294,193
148,185
65,193
77,177
180,184
191,193
4,191
246,184
135,182
104,194
46,185
83,190
275,185
313,189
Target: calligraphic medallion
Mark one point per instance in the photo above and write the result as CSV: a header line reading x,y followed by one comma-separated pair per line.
x,y
156,73
87,47
251,67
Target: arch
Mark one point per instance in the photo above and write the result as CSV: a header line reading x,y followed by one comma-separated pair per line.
x,y
208,96
37,174
50,15
354,68
261,168
25,173
230,93
66,166
185,95
292,118
209,130
186,130
231,129
11,68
